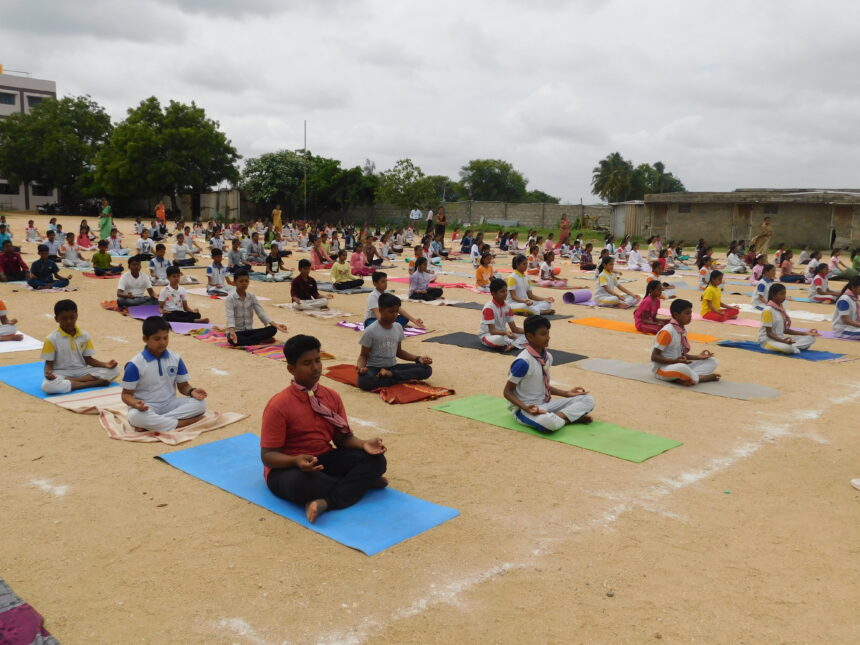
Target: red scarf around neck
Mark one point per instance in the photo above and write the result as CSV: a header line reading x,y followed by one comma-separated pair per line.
x,y
685,342
781,310
340,424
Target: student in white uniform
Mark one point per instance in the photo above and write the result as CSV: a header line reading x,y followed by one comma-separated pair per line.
x,y
71,253
635,261
819,288
528,388
762,287
734,261
150,382
670,357
182,253
498,329
609,293
520,295
846,317
775,333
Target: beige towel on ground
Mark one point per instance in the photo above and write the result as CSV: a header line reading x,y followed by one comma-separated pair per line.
x,y
116,423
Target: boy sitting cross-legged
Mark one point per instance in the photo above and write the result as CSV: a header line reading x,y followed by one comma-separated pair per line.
x,y
671,359
300,424
135,288
69,355
371,314
497,315
377,364
150,382
173,300
529,391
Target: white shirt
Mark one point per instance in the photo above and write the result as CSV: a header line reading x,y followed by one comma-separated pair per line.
x,y
153,380
819,284
114,244
759,297
181,251
68,352
217,275
372,303
53,247
498,316
173,298
136,286
144,245
518,286
668,341
526,372
415,214
605,281
771,318
159,267
845,306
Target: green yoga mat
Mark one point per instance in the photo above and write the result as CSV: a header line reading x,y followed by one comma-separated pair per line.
x,y
598,436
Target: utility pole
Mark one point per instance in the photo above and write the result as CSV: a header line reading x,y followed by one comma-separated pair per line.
x,y
305,155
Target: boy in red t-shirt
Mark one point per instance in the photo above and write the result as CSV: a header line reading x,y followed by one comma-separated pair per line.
x,y
300,424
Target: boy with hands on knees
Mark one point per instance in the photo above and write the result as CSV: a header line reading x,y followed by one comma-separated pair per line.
x,y
670,357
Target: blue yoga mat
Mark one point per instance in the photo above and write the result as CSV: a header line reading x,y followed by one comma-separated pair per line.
x,y
381,519
806,355
28,378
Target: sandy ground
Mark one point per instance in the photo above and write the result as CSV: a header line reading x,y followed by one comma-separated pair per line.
x,y
745,534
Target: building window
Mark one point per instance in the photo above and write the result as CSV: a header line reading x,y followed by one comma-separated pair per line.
x,y
41,191
685,208
771,209
7,98
33,101
6,189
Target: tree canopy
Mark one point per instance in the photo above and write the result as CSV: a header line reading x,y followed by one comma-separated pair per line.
x,y
55,144
172,150
615,179
405,185
493,180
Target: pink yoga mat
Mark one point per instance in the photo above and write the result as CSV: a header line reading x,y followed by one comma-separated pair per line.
x,y
142,312
740,322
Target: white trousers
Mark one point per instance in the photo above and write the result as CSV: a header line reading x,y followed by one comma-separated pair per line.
x,y
537,306
572,407
683,372
316,303
497,341
83,264
8,330
62,385
165,417
280,276
800,343
614,301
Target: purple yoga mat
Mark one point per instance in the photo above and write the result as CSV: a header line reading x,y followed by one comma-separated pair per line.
x,y
578,297
142,312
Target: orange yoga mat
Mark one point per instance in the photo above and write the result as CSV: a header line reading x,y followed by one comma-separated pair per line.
x,y
617,325
401,393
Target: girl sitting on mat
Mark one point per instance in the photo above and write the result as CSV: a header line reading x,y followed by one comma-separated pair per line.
x,y
529,390
670,357
712,307
484,273
549,274
635,261
846,317
645,317
819,289
520,294
609,292
814,261
534,260
419,282
657,274
734,261
662,258
775,333
762,288
759,263
787,266
586,263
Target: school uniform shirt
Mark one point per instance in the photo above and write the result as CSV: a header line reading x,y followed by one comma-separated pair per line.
x,y
145,246
53,247
771,319
136,286
173,298
372,303
235,259
497,315
475,255
818,283
70,252
714,295
216,243
181,251
733,261
153,379
382,343
240,311
114,244
518,286
605,282
810,268
68,352
704,277
44,270
217,274
159,267
256,249
845,306
527,373
759,297
668,341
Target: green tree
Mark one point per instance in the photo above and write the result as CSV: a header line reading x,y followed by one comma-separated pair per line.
x,y
655,179
540,197
405,185
446,189
275,177
493,180
55,145
614,179
166,151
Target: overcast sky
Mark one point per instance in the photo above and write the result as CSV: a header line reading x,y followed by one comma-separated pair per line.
x,y
727,94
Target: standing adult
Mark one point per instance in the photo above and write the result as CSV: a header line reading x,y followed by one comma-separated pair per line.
x,y
563,230
276,218
105,220
761,241
430,219
161,212
414,217
441,221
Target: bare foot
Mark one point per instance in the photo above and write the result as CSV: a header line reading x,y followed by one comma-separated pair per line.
x,y
385,373
687,383
202,320
382,482
507,348
709,377
12,337
314,509
184,423
549,312
585,419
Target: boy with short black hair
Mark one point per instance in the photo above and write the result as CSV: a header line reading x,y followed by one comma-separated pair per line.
x,y
173,300
151,379
183,254
530,393
497,315
670,356
371,314
71,254
144,245
240,307
158,266
304,291
134,288
300,424
115,247
275,270
235,259
12,265
102,261
217,276
342,277
69,355
45,274
53,245
377,364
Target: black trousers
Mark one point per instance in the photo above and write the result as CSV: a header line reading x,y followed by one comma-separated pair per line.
x,y
402,372
346,476
253,336
432,294
348,284
181,316
16,277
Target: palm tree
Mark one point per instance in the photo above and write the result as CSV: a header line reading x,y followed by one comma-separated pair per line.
x,y
613,179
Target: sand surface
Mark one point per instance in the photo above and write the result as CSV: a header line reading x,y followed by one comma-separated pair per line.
x,y
747,533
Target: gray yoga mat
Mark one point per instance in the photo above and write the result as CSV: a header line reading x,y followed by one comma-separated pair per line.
x,y
642,372
478,307
471,341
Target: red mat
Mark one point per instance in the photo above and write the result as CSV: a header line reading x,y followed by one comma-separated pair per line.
x,y
400,393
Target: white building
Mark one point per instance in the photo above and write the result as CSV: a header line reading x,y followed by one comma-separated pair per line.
x,y
20,94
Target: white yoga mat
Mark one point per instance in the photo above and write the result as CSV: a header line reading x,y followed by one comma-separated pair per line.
x,y
29,343
794,313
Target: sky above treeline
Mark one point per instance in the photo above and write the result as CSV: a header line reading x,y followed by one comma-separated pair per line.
x,y
729,94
